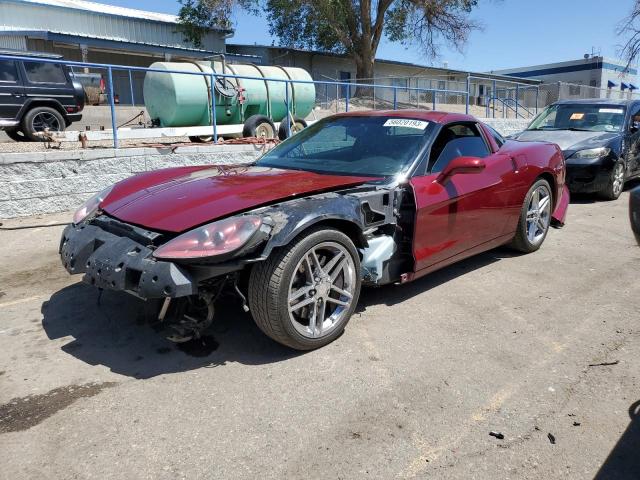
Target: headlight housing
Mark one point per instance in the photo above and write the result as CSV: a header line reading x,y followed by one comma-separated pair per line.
x,y
217,238
90,206
591,153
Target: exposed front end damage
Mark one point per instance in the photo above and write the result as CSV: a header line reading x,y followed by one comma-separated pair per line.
x,y
115,255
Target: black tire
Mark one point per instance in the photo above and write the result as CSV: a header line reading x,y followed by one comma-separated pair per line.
x,y
202,139
297,125
259,126
521,241
269,289
613,189
36,119
16,135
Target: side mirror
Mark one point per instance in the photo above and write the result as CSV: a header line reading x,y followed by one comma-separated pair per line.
x,y
460,165
635,127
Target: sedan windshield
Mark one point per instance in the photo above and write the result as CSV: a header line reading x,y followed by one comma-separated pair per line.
x,y
374,146
581,117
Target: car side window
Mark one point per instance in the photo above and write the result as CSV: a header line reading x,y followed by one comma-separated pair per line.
x,y
500,140
8,71
635,116
453,141
41,72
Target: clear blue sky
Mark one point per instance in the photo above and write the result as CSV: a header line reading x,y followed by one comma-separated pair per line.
x,y
516,32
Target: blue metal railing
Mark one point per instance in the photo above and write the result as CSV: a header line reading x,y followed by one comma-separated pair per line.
x,y
214,76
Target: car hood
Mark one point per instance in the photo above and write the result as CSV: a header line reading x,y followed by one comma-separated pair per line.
x,y
178,199
568,140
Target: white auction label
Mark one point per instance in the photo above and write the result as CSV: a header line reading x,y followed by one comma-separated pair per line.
x,y
406,122
611,110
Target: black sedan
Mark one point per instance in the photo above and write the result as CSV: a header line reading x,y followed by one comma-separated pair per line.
x,y
600,139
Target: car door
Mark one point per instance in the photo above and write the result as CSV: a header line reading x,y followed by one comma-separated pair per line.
x,y
11,92
632,140
468,210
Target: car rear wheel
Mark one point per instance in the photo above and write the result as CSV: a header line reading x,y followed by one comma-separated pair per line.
x,y
535,218
304,295
41,119
614,187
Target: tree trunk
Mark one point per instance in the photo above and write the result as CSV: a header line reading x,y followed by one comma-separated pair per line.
x,y
364,75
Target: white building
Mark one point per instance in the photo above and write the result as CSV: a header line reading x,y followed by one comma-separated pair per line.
x,y
86,31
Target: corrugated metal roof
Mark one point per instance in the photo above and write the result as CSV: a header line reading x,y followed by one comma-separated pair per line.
x,y
108,10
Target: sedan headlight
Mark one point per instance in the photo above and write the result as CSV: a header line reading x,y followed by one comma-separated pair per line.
x,y
591,153
216,238
90,206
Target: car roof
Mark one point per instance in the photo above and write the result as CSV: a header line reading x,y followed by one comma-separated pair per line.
x,y
596,101
428,115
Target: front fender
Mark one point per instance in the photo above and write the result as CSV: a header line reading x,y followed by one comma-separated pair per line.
x,y
291,218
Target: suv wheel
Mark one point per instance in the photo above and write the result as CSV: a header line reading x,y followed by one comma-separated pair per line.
x,y
15,134
40,119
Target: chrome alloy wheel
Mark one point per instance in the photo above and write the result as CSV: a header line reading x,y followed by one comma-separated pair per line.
x,y
45,120
538,214
321,290
618,179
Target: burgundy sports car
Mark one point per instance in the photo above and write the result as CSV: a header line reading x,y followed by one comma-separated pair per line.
x,y
363,198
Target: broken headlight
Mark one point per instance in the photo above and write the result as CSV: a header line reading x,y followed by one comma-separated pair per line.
x,y
90,206
217,238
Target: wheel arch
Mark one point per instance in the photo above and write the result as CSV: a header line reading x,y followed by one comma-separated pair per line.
x,y
548,176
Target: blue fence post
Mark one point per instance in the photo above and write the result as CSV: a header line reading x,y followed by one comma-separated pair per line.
x,y
114,127
466,107
133,101
214,120
286,104
517,97
346,98
395,98
434,99
537,95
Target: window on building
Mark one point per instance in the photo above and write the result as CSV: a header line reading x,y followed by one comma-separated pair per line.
x,y
40,72
442,85
400,82
8,72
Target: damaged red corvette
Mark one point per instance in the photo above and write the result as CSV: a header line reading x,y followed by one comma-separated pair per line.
x,y
362,198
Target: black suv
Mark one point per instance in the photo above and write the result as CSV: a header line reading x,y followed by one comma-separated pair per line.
x,y
36,96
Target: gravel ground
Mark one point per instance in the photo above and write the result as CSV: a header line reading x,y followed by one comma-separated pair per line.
x,y
542,348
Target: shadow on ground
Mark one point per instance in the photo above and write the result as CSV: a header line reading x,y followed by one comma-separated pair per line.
x,y
116,332
392,294
623,463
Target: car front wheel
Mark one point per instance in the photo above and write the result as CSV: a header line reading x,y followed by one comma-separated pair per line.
x,y
535,218
614,187
304,294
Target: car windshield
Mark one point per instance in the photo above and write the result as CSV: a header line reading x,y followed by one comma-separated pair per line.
x,y
581,117
375,146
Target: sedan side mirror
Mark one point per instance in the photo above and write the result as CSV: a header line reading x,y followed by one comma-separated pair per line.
x,y
460,165
635,127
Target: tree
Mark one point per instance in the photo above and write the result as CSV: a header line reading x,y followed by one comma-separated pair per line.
x,y
350,27
630,27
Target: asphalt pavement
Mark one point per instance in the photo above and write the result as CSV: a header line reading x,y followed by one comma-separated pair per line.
x,y
542,349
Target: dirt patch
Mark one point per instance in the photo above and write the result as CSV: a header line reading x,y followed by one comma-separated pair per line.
x,y
26,412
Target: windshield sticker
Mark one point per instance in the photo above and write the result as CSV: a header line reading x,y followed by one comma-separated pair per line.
x,y
406,122
576,116
611,110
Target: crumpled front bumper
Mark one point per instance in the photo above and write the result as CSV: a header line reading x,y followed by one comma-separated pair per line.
x,y
119,263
